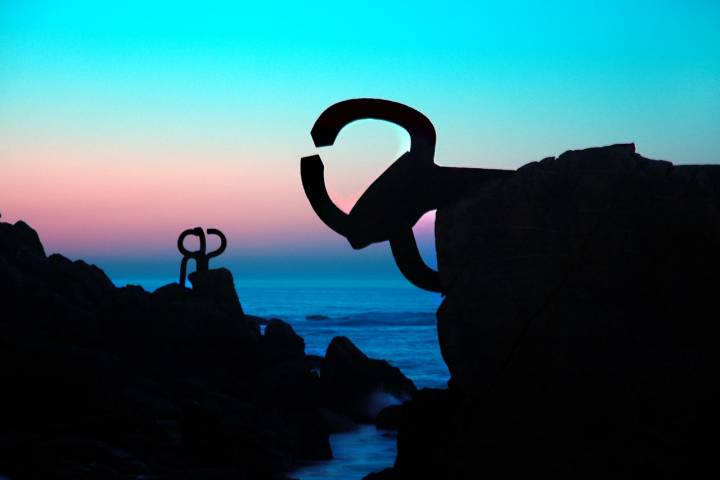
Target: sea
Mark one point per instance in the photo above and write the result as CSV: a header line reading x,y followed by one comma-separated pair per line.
x,y
387,320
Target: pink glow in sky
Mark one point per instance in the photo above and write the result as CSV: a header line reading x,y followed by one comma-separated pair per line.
x,y
112,199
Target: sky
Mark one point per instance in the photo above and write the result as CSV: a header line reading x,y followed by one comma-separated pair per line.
x,y
123,123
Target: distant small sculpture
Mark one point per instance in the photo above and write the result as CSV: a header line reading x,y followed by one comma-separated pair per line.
x,y
392,204
201,257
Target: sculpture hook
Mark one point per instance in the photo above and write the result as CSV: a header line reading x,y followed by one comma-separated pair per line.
x,y
395,201
355,226
201,257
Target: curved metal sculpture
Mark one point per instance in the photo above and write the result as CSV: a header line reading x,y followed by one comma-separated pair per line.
x,y
201,257
395,201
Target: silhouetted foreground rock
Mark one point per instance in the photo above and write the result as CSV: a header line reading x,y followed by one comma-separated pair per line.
x,y
106,382
577,324
356,385
389,417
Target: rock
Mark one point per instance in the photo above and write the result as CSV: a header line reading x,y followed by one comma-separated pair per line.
x,y
259,321
598,247
389,418
220,430
83,283
437,438
281,341
335,423
285,377
172,292
87,452
312,435
214,473
19,239
576,323
106,382
358,386
315,362
387,474
218,285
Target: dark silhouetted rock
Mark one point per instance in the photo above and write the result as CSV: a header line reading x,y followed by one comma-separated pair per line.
x,y
389,417
19,239
218,285
312,435
83,283
358,386
387,474
259,321
106,382
336,423
281,341
581,293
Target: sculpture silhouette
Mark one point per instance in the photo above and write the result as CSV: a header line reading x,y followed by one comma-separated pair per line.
x,y
395,201
201,257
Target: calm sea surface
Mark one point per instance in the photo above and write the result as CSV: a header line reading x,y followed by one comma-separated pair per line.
x,y
391,321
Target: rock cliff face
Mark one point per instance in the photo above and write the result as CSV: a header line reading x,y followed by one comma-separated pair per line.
x,y
577,323
106,382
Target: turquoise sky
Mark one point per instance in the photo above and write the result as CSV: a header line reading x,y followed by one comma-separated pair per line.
x,y
198,112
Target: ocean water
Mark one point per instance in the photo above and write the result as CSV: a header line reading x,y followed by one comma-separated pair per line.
x,y
387,320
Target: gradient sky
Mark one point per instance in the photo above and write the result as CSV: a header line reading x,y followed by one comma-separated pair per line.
x,y
123,124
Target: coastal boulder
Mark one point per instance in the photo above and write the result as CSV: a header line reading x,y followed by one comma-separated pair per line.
x,y
389,417
599,259
218,286
580,297
358,386
19,239
280,341
106,382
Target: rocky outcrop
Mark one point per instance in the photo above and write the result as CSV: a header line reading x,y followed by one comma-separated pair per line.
x,y
577,323
389,417
218,286
18,240
106,382
358,386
